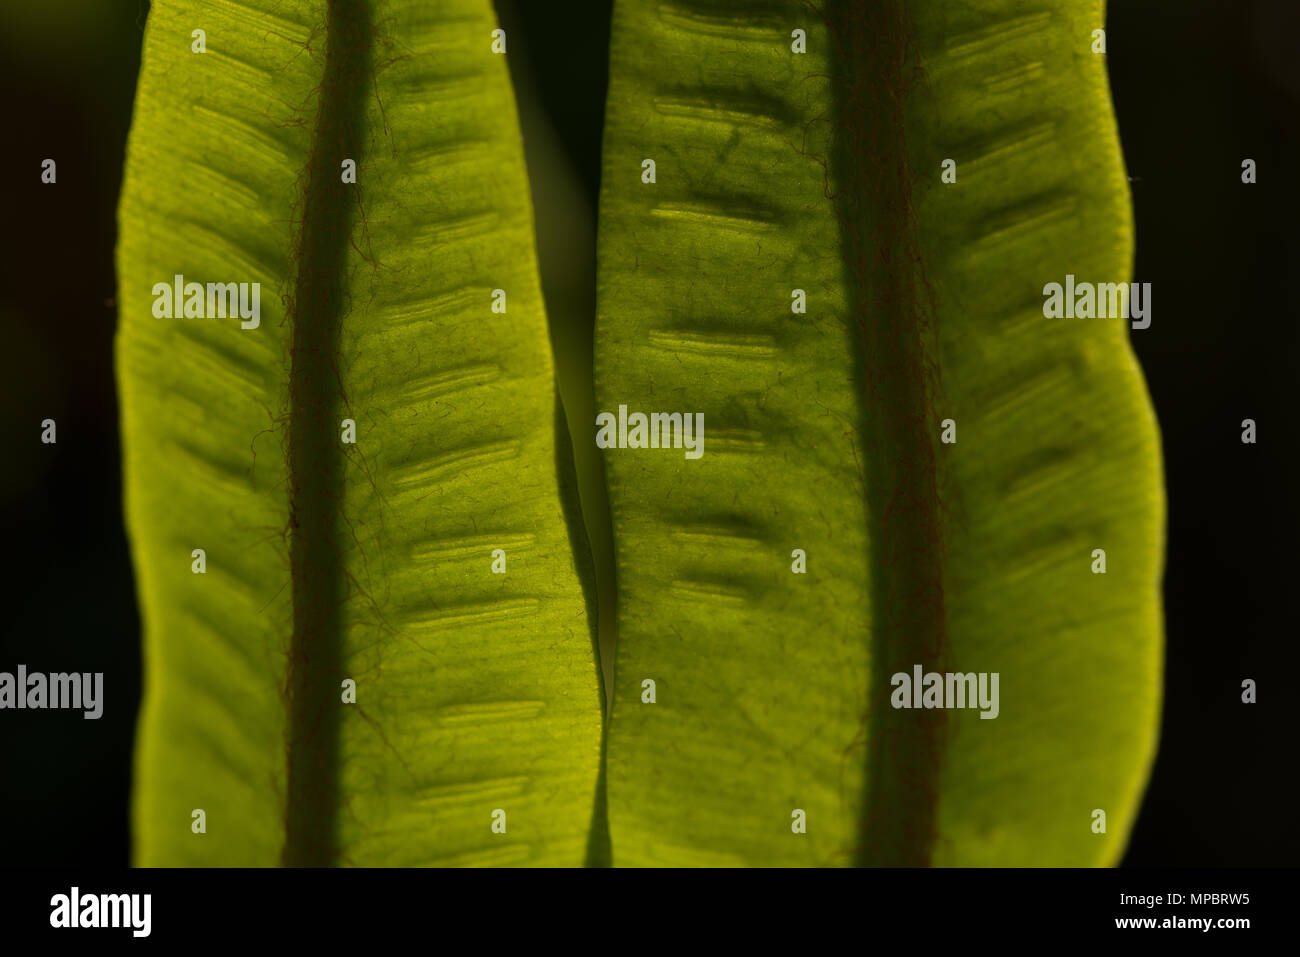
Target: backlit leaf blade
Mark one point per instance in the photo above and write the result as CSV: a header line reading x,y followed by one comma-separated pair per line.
x,y
476,692
777,171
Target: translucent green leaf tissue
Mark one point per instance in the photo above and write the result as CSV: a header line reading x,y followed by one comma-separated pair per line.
x,y
368,482
828,228
884,481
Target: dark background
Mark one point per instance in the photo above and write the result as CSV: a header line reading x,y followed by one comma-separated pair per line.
x,y
1198,85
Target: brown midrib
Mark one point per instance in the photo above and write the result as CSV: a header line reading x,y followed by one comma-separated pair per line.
x,y
316,310
874,69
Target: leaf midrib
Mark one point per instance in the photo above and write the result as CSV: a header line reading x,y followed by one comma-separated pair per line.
x,y
875,69
316,491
